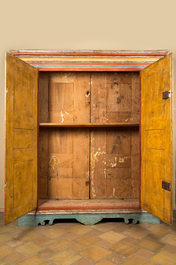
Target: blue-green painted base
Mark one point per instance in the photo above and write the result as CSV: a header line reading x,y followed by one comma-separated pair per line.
x,y
86,219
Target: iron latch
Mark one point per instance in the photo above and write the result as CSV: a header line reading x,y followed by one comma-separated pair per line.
x,y
167,94
166,185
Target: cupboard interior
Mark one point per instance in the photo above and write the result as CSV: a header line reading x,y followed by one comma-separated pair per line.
x,y
89,139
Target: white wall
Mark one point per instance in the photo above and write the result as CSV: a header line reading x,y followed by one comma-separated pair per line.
x,y
93,24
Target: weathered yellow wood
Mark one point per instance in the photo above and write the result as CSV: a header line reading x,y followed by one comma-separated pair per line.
x,y
21,138
156,139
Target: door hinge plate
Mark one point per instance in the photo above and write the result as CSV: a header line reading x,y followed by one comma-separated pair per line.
x,y
167,94
166,185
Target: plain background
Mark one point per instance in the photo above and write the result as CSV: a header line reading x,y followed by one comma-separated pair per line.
x,y
79,24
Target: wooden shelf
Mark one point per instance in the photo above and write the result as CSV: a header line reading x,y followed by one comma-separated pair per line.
x,y
89,125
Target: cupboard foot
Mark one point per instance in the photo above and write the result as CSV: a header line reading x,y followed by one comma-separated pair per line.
x,y
34,219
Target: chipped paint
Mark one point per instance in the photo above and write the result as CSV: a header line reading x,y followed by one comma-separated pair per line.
x,y
122,159
113,164
87,94
113,192
94,159
63,115
54,162
105,173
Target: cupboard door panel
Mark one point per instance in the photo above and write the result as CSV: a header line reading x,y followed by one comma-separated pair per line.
x,y
21,138
156,139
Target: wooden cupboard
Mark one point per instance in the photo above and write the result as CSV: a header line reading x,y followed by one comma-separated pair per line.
x,y
88,135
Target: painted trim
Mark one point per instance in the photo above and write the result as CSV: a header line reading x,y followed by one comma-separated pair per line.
x,y
40,208
90,60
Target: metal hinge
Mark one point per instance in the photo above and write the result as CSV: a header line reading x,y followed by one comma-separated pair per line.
x,y
167,94
166,185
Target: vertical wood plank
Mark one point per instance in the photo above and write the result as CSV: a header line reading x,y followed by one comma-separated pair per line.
x,y
69,97
68,164
114,97
114,163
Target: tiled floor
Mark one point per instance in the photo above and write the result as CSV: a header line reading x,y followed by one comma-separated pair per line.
x,y
106,243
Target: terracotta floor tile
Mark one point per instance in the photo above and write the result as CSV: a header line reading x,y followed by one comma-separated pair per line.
x,y
29,248
4,262
116,258
34,259
150,244
145,253
95,253
14,232
5,238
70,235
104,244
64,226
80,229
14,243
104,227
14,257
59,244
170,248
136,232
86,240
105,262
5,251
170,238
135,259
120,229
43,239
159,229
65,257
165,258
144,226
95,232
130,240
85,262
5,228
53,233
46,252
124,248
77,248
124,226
112,236
28,236
40,228
154,236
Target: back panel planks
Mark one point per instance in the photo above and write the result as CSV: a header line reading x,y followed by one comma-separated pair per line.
x,y
65,98
89,119
114,163
115,97
64,163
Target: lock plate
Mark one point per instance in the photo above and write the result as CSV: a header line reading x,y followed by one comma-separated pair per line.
x,y
166,185
167,94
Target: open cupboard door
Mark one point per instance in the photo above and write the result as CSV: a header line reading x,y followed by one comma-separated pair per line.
x,y
156,139
21,138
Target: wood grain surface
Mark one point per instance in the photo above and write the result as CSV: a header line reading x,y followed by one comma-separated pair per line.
x,y
21,138
156,139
